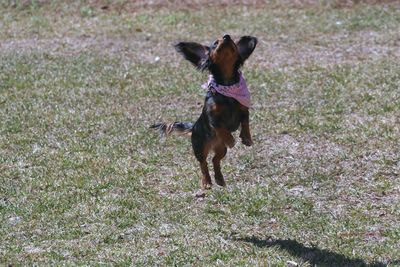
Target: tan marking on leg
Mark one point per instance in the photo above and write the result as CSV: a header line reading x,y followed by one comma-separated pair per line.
x,y
206,178
220,152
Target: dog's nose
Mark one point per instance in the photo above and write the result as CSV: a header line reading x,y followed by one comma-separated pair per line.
x,y
226,37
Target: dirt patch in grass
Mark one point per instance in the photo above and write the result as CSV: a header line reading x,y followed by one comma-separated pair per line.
x,y
287,37
135,6
327,50
341,48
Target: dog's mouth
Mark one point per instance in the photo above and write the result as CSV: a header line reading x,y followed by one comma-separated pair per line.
x,y
227,38
226,43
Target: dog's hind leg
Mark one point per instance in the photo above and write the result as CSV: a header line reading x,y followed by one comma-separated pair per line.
x,y
201,149
220,152
206,178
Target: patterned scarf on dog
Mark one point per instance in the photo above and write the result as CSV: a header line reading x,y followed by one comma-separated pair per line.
x,y
238,91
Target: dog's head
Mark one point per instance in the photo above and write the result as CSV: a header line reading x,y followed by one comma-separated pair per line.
x,y
223,58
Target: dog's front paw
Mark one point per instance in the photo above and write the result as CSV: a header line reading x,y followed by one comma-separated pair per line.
x,y
247,141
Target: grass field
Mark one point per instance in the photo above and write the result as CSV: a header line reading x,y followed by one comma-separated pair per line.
x,y
84,182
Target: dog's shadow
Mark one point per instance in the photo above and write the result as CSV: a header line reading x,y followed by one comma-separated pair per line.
x,y
312,255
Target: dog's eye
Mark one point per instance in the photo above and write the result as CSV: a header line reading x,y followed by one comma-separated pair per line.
x,y
215,43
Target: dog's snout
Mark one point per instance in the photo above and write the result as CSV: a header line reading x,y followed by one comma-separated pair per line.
x,y
227,37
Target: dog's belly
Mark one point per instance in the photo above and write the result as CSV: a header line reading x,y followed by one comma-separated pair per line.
x,y
231,121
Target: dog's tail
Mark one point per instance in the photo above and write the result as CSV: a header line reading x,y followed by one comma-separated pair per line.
x,y
181,128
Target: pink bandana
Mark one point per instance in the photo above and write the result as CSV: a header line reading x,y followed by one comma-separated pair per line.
x,y
238,91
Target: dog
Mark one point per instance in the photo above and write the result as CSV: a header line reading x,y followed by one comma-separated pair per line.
x,y
226,105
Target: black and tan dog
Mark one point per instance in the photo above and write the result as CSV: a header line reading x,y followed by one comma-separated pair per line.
x,y
226,105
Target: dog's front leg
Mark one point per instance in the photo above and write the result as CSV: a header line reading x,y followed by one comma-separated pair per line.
x,y
245,128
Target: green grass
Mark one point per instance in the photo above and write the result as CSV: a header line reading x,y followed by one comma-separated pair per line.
x,y
83,181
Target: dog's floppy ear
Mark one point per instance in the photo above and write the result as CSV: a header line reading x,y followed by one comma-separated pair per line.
x,y
196,53
246,45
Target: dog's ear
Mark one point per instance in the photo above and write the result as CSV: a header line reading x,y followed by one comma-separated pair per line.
x,y
196,53
246,46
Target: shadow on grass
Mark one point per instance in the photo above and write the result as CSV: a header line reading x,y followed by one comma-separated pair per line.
x,y
313,255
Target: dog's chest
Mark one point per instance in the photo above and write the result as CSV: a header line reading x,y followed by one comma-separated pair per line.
x,y
223,111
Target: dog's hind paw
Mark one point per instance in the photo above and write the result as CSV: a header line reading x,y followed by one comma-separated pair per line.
x,y
247,141
220,181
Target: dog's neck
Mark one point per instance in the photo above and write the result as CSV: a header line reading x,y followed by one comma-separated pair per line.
x,y
238,91
224,79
